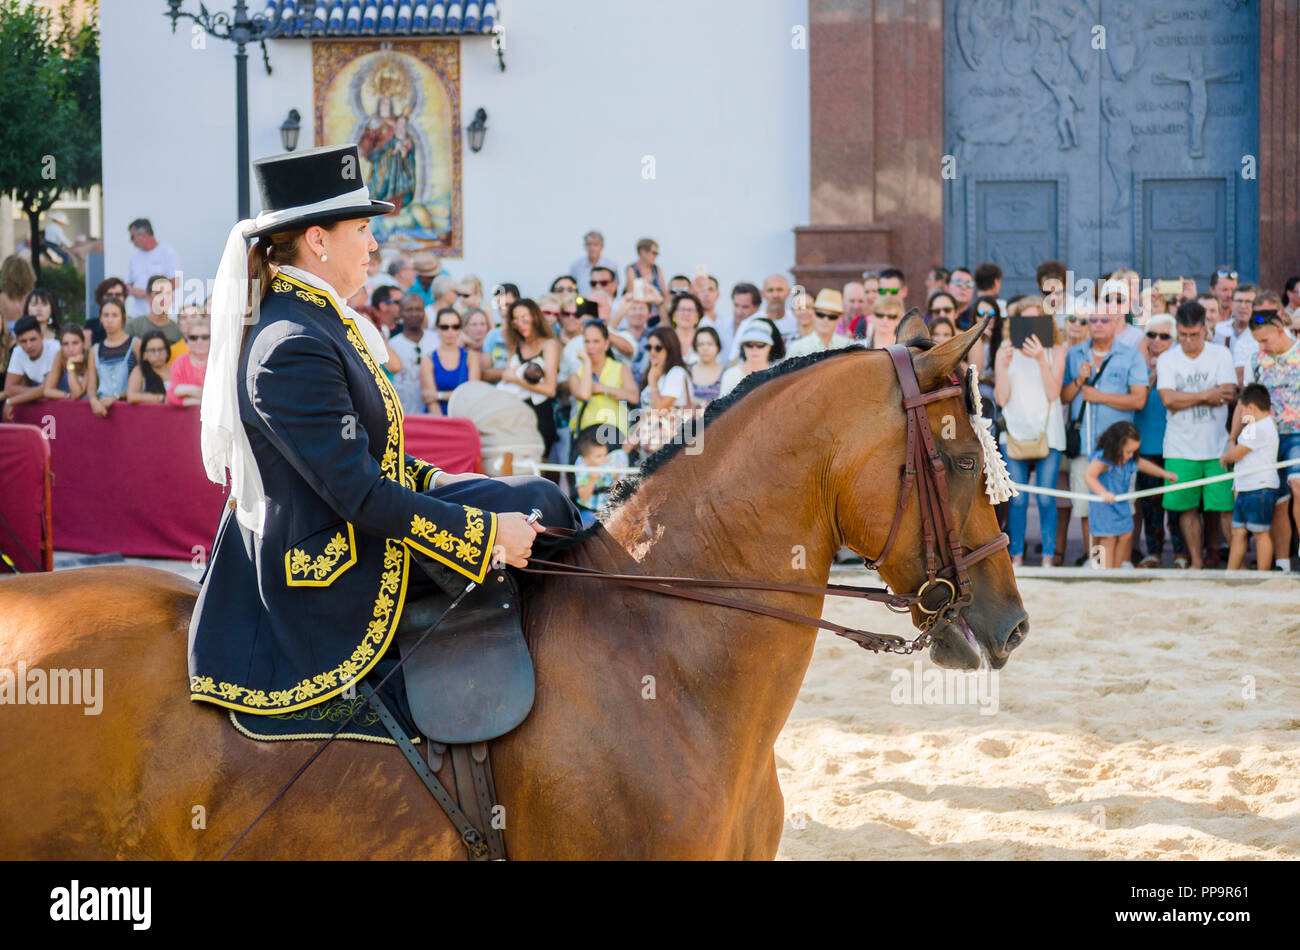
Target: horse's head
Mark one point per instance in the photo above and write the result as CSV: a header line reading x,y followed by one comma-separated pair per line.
x,y
868,478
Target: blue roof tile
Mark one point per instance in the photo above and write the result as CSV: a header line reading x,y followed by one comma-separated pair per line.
x,y
297,19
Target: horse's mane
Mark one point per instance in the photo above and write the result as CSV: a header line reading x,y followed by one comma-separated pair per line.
x,y
628,484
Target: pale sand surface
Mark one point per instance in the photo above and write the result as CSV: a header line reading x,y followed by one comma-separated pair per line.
x,y
1122,730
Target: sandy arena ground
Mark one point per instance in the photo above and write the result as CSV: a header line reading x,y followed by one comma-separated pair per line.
x,y
1125,727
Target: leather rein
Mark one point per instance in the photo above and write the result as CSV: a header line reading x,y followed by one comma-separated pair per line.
x,y
940,599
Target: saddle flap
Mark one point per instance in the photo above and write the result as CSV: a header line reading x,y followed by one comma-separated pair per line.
x,y
472,679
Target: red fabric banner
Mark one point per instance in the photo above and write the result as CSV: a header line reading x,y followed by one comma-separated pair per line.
x,y
133,482
447,442
24,461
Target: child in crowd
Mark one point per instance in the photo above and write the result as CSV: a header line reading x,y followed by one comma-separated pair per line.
x,y
593,479
1254,478
1110,470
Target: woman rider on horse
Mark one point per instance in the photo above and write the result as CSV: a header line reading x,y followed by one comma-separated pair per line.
x,y
312,562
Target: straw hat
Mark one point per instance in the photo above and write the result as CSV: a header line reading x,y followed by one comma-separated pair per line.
x,y
427,264
829,301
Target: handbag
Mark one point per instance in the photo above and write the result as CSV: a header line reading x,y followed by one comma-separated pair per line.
x,y
1074,428
1026,449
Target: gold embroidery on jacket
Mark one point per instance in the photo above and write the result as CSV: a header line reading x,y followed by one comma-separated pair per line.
x,y
444,540
282,285
303,570
392,582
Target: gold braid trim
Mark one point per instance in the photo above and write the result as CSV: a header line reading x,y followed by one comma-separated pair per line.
x,y
392,583
302,570
387,610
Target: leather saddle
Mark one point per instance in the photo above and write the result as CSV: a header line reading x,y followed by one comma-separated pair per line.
x,y
468,681
472,679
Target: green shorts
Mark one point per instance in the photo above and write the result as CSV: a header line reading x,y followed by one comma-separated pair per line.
x,y
1213,497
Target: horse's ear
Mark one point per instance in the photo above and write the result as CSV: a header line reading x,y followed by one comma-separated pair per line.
x,y
912,328
933,366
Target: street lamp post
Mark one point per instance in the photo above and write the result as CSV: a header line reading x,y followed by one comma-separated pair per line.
x,y
242,29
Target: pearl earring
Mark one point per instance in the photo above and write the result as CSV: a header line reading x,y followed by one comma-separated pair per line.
x,y
323,258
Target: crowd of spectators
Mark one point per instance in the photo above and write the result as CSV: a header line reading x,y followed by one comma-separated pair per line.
x,y
1116,383
137,346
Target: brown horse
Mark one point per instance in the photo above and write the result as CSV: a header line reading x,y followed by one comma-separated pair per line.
x,y
653,730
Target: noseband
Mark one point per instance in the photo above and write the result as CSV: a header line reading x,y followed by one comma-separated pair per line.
x,y
947,588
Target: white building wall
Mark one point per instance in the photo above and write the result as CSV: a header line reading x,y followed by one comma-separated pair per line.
x,y
712,94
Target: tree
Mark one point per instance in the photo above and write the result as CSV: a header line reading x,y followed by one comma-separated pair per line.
x,y
49,97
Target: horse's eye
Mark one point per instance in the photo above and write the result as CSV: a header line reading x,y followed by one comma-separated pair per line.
x,y
966,463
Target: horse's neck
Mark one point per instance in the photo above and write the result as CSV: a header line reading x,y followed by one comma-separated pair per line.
x,y
748,507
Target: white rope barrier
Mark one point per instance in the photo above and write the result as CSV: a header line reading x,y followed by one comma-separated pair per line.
x,y
1146,492
539,467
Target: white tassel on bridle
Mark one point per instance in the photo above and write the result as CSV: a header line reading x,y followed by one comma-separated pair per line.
x,y
997,480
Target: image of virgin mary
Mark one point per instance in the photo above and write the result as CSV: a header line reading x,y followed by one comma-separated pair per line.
x,y
388,146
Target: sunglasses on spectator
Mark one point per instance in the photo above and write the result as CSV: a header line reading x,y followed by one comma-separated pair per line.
x,y
1076,319
207,336
463,295
449,326
1224,272
1152,335
823,315
568,313
1263,317
941,309
600,283
886,316
550,313
963,283
656,348
1099,319
1111,298
985,313
752,345
889,291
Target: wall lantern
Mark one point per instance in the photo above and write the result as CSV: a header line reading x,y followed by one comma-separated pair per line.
x,y
476,130
289,130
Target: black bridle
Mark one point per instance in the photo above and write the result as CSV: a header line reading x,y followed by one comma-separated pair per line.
x,y
947,588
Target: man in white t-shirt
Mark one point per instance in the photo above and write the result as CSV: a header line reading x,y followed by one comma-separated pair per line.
x,y
411,345
149,258
776,306
28,364
1234,331
1196,383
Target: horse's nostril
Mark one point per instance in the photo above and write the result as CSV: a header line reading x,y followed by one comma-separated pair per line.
x,y
1017,636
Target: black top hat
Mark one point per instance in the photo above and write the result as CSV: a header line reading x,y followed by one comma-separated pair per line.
x,y
303,180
